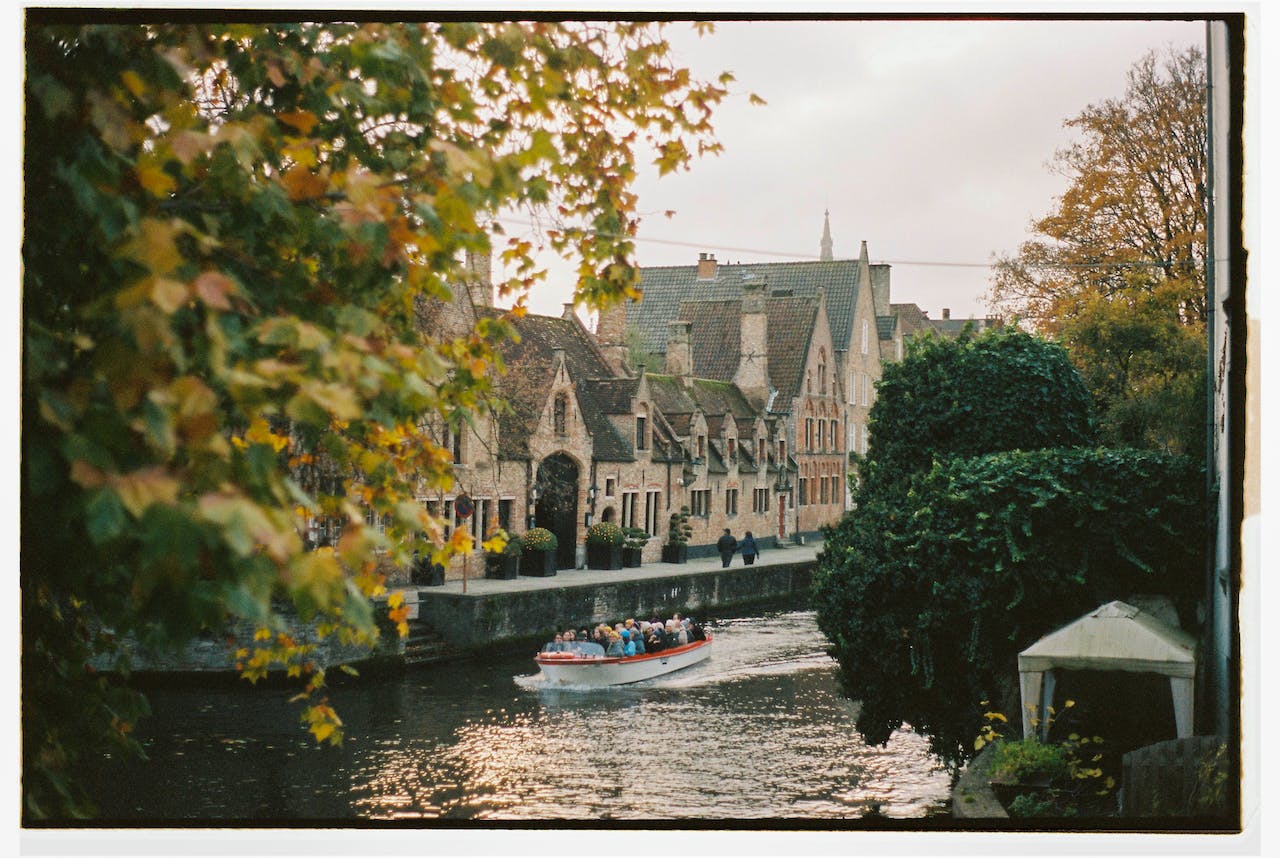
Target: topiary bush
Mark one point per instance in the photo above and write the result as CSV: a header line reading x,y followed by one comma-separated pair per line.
x,y
605,533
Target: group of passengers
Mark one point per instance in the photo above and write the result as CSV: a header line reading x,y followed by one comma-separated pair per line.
x,y
629,638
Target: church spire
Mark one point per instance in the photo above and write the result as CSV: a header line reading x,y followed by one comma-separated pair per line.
x,y
826,237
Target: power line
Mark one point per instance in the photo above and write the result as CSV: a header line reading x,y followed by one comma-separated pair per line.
x,y
809,257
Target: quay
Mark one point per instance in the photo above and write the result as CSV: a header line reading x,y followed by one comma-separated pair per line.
x,y
492,615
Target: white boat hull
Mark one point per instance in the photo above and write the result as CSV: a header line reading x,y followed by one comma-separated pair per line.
x,y
620,671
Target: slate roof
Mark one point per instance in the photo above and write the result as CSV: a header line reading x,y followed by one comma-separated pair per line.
x,y
715,399
885,326
665,287
530,370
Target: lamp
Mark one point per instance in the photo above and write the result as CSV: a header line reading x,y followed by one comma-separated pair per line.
x,y
591,493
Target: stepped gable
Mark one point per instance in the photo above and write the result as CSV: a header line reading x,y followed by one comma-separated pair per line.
x,y
530,370
665,287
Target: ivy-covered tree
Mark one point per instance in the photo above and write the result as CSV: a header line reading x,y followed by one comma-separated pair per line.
x,y
957,556
229,229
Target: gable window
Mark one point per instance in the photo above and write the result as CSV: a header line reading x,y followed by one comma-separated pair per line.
x,y
762,450
835,436
642,434
866,338
702,446
782,452
822,372
453,443
560,413
733,449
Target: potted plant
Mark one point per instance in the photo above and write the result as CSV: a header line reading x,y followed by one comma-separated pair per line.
x,y
634,539
678,533
539,558
505,565
604,546
424,573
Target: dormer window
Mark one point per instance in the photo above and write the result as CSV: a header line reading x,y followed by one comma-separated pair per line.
x,y
560,414
642,432
702,446
733,449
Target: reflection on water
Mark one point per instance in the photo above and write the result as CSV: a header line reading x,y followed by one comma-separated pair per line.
x,y
757,731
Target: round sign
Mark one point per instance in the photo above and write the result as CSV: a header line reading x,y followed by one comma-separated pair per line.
x,y
463,506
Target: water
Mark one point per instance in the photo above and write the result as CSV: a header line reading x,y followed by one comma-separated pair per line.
x,y
757,731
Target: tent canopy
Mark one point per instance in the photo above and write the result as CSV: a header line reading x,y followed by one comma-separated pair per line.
x,y
1116,636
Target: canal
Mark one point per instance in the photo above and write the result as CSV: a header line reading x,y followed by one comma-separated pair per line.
x,y
759,731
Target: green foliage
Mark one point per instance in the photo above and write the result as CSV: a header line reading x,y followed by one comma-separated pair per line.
x,y
1001,390
605,533
957,556
635,537
514,546
679,531
540,539
232,231
1027,761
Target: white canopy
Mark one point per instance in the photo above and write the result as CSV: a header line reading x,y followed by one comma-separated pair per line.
x,y
1116,636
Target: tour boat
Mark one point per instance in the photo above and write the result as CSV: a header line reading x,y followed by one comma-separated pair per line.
x,y
585,663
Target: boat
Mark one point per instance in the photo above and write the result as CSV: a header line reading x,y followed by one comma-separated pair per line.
x,y
583,663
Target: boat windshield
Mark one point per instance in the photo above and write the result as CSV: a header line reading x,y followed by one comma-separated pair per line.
x,y
584,649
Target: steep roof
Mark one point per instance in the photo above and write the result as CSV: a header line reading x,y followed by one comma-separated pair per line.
x,y
715,399
530,369
666,287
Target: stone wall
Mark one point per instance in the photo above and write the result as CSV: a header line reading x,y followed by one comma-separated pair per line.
x,y
477,622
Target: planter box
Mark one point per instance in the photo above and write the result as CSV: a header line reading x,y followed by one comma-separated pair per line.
x,y
604,556
675,553
427,575
538,564
632,557
501,567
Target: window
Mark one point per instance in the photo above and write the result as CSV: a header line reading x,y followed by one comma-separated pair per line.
x,y
834,435
822,371
733,449
822,434
610,486
700,502
453,443
652,503
823,497
504,514
560,415
782,452
730,501
802,489
642,437
628,509
702,446
867,389
853,388
866,338
763,455
760,500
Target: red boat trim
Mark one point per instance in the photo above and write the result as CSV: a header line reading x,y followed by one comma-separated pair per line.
x,y
569,658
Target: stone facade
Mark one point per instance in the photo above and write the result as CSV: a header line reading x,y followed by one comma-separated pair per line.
x,y
748,420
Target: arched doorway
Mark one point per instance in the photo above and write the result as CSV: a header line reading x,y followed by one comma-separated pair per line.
x,y
557,505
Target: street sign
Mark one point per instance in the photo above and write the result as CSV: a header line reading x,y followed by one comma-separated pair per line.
x,y
463,506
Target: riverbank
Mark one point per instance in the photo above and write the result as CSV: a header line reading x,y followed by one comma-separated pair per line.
x,y
479,615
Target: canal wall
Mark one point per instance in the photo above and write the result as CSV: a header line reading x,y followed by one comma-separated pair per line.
x,y
501,619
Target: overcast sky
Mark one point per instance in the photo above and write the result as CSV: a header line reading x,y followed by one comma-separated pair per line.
x,y
927,139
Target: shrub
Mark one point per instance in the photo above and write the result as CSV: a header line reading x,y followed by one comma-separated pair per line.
x,y
540,539
635,537
605,533
679,531
514,546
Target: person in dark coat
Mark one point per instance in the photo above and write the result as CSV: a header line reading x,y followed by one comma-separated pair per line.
x,y
726,545
749,549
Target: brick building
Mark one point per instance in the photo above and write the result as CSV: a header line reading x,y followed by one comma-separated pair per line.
x,y
750,387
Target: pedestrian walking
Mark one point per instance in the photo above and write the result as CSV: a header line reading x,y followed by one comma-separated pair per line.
x,y
749,549
726,545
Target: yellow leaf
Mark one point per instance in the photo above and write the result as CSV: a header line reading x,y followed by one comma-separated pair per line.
x,y
155,246
133,83
302,120
155,180
142,488
301,184
169,295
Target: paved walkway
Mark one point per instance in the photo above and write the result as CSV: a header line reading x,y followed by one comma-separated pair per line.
x,y
478,585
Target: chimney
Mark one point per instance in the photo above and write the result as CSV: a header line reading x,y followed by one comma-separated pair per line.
x,y
679,354
752,376
479,269
611,336
706,266
946,313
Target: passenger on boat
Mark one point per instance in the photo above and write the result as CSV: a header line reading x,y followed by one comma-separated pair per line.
x,y
677,634
556,645
696,632
655,641
569,636
615,648
637,638
628,645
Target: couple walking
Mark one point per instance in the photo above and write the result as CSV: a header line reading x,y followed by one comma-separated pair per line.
x,y
727,545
